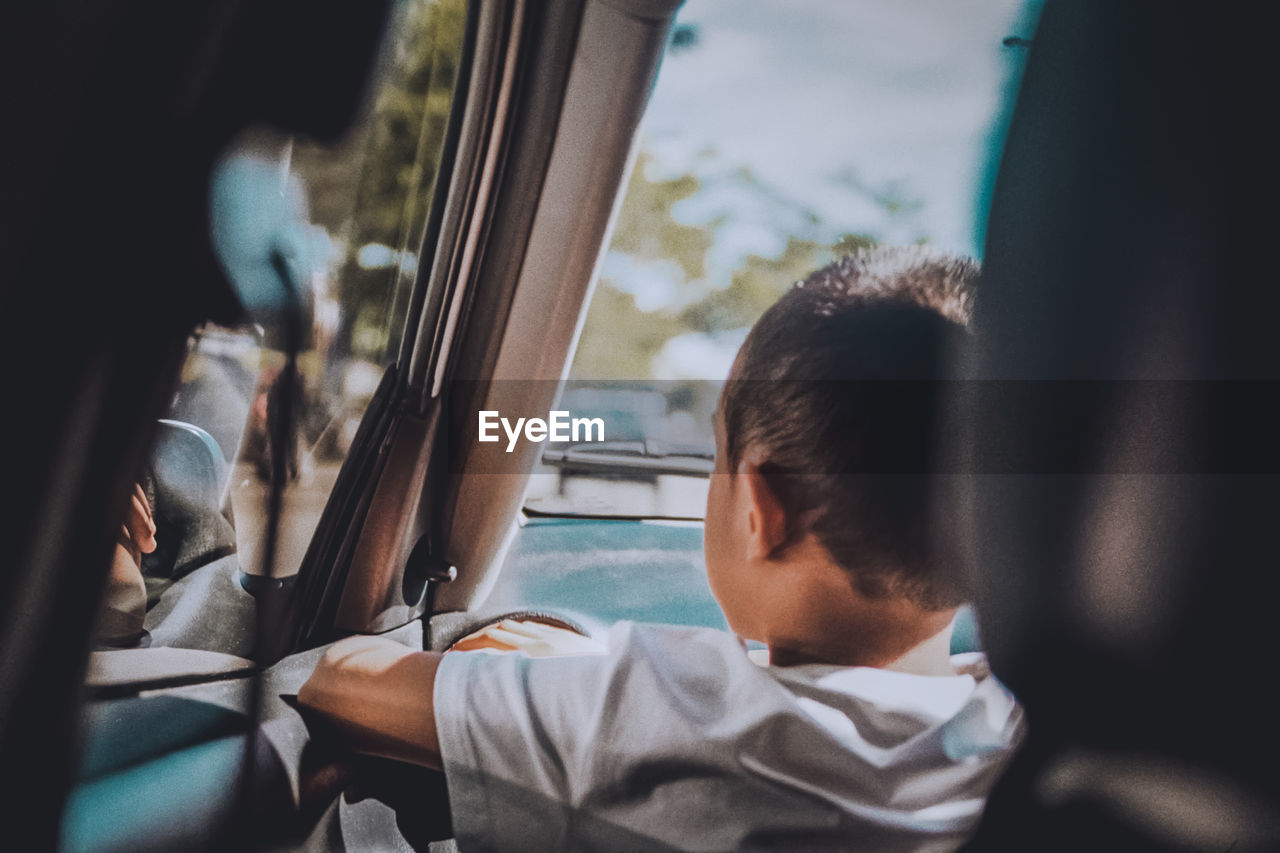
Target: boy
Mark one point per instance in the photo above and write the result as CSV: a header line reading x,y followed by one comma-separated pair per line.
x,y
861,732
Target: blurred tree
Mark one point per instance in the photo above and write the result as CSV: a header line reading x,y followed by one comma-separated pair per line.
x,y
374,188
648,231
620,340
759,281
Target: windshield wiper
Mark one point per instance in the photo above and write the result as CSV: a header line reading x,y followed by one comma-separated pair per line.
x,y
648,457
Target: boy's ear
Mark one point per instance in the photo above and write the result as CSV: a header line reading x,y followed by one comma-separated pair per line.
x,y
766,519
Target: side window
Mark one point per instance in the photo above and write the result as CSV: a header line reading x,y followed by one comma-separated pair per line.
x,y
350,217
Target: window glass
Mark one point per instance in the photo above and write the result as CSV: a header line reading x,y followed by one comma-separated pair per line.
x,y
350,218
779,137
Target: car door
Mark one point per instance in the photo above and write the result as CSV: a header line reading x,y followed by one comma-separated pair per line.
x,y
191,743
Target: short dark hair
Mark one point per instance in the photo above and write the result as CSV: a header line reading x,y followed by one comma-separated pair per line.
x,y
840,385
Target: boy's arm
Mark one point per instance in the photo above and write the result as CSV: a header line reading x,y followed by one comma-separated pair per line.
x,y
380,694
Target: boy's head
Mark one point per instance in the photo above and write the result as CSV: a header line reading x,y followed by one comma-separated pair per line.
x,y
822,503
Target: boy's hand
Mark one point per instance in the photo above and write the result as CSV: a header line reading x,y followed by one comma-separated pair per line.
x,y
379,694
138,533
125,598
533,639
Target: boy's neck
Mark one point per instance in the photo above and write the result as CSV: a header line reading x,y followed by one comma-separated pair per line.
x,y
932,656
809,611
832,624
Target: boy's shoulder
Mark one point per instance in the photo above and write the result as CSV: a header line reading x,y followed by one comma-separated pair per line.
x,y
687,706
681,649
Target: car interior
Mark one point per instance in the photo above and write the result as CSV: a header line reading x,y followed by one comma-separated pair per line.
x,y
172,318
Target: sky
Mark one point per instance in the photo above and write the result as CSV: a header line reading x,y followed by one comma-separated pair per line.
x,y
827,103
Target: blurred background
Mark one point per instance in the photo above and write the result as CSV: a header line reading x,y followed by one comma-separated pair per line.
x,y
779,137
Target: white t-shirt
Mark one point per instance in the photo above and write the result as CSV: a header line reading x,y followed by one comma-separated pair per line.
x,y
675,738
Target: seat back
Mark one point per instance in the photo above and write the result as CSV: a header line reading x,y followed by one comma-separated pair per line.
x,y
1124,544
189,480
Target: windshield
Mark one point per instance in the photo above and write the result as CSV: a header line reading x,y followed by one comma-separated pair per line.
x,y
779,137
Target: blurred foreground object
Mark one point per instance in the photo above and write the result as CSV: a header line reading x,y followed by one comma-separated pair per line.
x,y
1123,539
